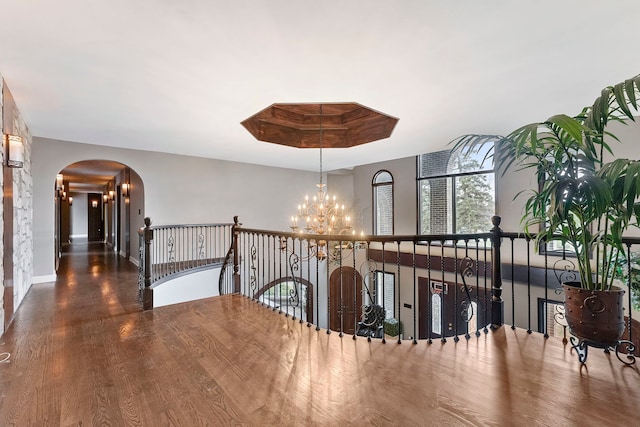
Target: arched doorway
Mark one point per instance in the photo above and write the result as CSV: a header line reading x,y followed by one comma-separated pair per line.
x,y
99,201
345,299
291,295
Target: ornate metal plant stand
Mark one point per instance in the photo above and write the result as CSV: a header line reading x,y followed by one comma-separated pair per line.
x,y
582,348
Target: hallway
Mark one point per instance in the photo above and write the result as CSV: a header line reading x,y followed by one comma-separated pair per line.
x,y
58,339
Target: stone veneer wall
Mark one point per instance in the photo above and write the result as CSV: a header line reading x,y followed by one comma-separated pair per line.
x,y
22,204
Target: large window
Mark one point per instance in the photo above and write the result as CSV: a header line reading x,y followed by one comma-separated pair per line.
x,y
456,191
382,203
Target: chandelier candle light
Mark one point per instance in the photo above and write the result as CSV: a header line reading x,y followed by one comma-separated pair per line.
x,y
345,124
322,214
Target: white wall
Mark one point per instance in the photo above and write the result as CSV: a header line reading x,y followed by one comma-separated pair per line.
x,y
177,189
404,193
192,286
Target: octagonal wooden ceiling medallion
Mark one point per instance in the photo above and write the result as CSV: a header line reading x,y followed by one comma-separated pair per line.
x,y
298,125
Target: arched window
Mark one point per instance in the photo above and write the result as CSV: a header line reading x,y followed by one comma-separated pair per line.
x,y
382,203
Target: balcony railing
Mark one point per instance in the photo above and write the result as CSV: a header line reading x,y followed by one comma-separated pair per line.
x,y
169,251
410,287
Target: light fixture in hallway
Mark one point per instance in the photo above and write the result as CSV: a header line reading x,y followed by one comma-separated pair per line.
x,y
70,200
15,151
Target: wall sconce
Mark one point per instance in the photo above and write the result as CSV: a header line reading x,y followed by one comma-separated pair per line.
x,y
59,181
64,195
94,203
70,200
126,187
105,198
112,195
15,151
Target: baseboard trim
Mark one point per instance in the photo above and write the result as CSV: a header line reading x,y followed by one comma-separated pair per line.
x,y
134,262
44,279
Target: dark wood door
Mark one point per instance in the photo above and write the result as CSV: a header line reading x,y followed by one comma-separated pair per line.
x,y
94,217
345,300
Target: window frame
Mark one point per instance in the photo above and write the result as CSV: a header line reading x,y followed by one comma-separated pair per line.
x,y
451,193
374,198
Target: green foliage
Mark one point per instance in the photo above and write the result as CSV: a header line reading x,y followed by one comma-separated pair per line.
x,y
629,273
392,327
474,201
582,201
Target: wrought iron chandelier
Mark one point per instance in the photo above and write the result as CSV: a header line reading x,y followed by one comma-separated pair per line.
x,y
321,214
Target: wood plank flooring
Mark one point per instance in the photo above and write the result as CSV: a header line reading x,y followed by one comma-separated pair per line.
x,y
83,353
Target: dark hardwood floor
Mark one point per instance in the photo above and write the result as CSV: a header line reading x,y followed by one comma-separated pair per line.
x,y
83,353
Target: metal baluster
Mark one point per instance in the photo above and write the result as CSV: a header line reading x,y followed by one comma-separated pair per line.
x,y
429,297
455,291
442,296
415,288
513,286
529,284
398,263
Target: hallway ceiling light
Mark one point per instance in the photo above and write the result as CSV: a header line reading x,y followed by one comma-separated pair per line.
x,y
15,151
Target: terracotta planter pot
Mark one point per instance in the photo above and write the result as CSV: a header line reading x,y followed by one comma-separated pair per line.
x,y
596,316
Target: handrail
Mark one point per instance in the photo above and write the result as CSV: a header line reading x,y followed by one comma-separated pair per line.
x,y
168,251
506,278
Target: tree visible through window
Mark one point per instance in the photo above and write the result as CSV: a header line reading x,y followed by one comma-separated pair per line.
x,y
456,191
383,203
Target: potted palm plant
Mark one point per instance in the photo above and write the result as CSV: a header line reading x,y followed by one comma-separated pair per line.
x,y
583,200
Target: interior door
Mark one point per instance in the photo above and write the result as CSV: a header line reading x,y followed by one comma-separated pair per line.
x,y
94,217
345,299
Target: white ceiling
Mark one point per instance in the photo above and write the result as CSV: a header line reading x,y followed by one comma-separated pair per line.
x,y
180,76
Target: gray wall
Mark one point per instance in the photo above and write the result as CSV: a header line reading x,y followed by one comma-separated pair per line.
x,y
404,193
177,189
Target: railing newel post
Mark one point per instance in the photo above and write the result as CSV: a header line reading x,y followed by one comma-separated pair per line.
x,y
236,257
497,304
147,296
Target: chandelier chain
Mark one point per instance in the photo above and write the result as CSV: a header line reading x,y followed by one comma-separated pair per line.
x,y
321,214
320,143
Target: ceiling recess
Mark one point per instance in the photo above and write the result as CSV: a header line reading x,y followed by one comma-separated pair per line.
x,y
344,125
